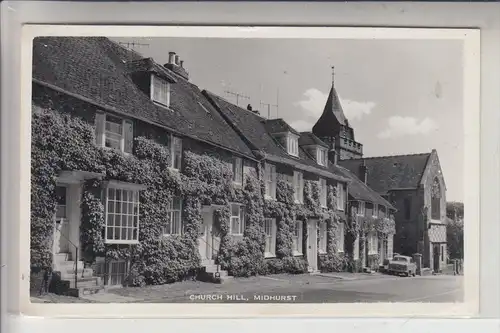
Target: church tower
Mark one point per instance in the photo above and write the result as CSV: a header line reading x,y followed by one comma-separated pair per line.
x,y
333,127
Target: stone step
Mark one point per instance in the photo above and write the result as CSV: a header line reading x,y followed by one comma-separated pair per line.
x,y
86,282
59,257
70,274
80,291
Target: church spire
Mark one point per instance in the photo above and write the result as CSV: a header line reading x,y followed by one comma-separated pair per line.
x,y
333,76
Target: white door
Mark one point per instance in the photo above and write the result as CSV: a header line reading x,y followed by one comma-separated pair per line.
x,y
204,238
312,245
61,230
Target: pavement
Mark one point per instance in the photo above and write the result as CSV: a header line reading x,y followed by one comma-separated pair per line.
x,y
284,288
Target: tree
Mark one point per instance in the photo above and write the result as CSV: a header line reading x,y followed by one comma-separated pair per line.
x,y
455,229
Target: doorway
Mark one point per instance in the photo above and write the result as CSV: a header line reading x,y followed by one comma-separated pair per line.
x,y
436,253
312,245
61,221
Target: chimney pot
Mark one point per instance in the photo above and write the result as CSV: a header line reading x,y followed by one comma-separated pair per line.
x,y
363,173
177,59
249,107
171,57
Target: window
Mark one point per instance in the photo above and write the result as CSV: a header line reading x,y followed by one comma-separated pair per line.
x,y
293,145
174,222
372,243
113,273
270,231
270,177
237,219
238,170
160,91
322,156
322,237
122,215
407,208
323,190
176,152
297,238
340,196
436,200
356,249
298,185
114,132
361,208
340,238
375,210
61,202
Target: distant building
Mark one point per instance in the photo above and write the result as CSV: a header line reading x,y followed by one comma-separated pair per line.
x,y
413,183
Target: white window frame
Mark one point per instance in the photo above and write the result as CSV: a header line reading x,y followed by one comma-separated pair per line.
x,y
323,192
133,189
103,132
171,211
322,156
238,170
270,245
361,208
375,210
340,237
340,197
240,217
164,97
293,144
270,181
322,237
298,186
372,244
297,238
173,140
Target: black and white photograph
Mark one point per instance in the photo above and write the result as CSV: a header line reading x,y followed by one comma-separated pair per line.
x,y
247,170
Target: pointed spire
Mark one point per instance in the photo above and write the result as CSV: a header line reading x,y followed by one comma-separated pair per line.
x,y
333,76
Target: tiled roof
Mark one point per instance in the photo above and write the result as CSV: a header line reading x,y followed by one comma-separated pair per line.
x,y
308,139
360,191
253,128
279,126
95,68
148,65
391,172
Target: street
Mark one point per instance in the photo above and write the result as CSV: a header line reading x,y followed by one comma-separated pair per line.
x,y
308,289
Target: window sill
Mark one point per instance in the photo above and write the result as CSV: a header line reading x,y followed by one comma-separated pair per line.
x,y
160,104
269,255
436,221
269,198
125,242
171,235
322,252
237,184
340,251
174,169
372,253
297,254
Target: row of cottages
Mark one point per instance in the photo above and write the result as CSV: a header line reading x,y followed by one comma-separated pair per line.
x,y
139,177
413,183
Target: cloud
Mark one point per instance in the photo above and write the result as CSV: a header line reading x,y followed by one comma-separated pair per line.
x,y
314,102
401,126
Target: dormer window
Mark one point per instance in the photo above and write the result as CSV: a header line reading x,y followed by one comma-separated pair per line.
x,y
293,145
160,91
322,156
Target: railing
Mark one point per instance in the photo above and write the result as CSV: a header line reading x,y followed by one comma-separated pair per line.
x,y
76,257
212,250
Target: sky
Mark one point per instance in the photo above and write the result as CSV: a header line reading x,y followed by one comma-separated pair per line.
x,y
400,96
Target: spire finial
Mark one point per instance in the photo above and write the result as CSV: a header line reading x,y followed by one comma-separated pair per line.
x,y
333,76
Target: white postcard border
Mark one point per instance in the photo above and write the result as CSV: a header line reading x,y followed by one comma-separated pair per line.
x,y
471,43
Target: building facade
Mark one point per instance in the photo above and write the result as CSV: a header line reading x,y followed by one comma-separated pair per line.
x,y
139,177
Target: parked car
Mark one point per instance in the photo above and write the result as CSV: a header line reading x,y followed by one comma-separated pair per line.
x,y
402,265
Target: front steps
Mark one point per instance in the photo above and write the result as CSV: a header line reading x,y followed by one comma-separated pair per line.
x,y
64,277
209,273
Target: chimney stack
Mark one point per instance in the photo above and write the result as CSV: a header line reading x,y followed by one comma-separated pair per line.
x,y
182,63
171,57
177,60
249,107
363,172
